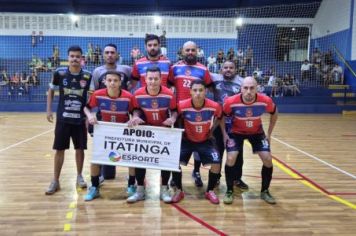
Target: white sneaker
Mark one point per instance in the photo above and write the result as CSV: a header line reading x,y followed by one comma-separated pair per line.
x,y
165,195
81,182
138,196
101,180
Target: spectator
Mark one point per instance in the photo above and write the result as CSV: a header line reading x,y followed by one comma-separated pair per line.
x,y
200,55
249,56
316,57
259,75
212,63
179,54
273,83
337,75
37,64
23,83
55,56
163,41
97,55
33,79
135,54
290,85
220,59
4,77
240,57
90,54
119,59
306,70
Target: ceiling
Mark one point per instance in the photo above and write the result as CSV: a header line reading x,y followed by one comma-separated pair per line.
x,y
133,6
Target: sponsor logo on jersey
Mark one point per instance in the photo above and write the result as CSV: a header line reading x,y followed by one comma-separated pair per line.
x,y
83,83
86,76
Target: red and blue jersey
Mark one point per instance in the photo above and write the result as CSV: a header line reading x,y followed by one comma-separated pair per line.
x,y
113,109
182,75
246,118
140,67
197,122
155,108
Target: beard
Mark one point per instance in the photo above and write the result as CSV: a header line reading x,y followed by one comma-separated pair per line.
x,y
190,60
153,53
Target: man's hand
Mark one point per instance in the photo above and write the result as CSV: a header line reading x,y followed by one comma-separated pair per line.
x,y
169,121
50,116
135,121
92,120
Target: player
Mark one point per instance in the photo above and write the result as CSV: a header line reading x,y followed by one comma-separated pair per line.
x,y
246,110
152,105
73,83
198,115
115,105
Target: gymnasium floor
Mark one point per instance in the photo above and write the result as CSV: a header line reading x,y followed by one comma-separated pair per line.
x,y
314,183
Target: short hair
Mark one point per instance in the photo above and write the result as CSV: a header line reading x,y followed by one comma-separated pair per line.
x,y
113,72
197,81
153,69
229,61
75,48
150,37
111,45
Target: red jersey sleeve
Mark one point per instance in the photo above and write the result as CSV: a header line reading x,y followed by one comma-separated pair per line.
x,y
207,78
271,107
218,111
134,103
135,74
170,76
227,106
93,102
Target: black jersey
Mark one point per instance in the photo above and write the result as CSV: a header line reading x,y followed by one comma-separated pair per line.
x,y
73,89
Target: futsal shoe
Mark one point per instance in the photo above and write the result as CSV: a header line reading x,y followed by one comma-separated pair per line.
x,y
211,196
131,190
197,179
241,185
267,197
53,187
92,194
165,196
178,196
138,196
81,182
229,197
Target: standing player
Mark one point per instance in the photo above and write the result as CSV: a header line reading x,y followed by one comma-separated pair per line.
x,y
197,115
227,84
183,73
152,58
110,56
246,110
153,103
115,105
73,83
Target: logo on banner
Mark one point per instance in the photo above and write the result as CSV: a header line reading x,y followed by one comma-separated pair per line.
x,y
114,157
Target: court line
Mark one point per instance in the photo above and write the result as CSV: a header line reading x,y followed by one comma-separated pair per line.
x,y
315,158
294,173
200,221
26,140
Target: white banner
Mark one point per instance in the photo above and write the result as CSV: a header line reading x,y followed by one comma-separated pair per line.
x,y
141,146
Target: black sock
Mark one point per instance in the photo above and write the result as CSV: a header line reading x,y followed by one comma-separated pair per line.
x,y
140,176
131,180
229,176
177,178
95,181
165,177
266,177
197,165
213,179
238,166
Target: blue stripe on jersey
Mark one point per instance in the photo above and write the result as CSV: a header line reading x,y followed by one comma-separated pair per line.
x,y
154,102
188,71
248,111
113,105
198,116
163,66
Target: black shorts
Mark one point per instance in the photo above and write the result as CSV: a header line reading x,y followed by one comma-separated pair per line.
x,y
258,142
64,132
207,151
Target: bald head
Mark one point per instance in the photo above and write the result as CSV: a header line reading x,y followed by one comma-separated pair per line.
x,y
190,52
249,89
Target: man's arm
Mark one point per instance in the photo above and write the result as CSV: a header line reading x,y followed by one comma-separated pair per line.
x,y
50,95
272,123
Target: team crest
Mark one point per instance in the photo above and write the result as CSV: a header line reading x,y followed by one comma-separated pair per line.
x,y
198,117
61,72
154,103
249,112
113,106
83,83
188,72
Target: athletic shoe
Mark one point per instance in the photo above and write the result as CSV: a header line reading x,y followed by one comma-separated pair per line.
x,y
138,196
93,193
178,196
197,179
81,182
229,197
267,197
53,187
131,190
165,196
211,196
101,180
241,185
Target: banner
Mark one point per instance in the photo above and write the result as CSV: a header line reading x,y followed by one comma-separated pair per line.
x,y
140,146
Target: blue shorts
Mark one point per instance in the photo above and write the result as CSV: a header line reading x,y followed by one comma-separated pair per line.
x,y
206,150
258,142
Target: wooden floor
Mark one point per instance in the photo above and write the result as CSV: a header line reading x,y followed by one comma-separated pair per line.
x,y
314,182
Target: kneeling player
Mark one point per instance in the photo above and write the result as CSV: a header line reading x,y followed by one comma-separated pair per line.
x,y
197,114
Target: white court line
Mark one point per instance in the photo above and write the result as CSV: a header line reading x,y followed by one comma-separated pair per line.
x,y
26,140
315,158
